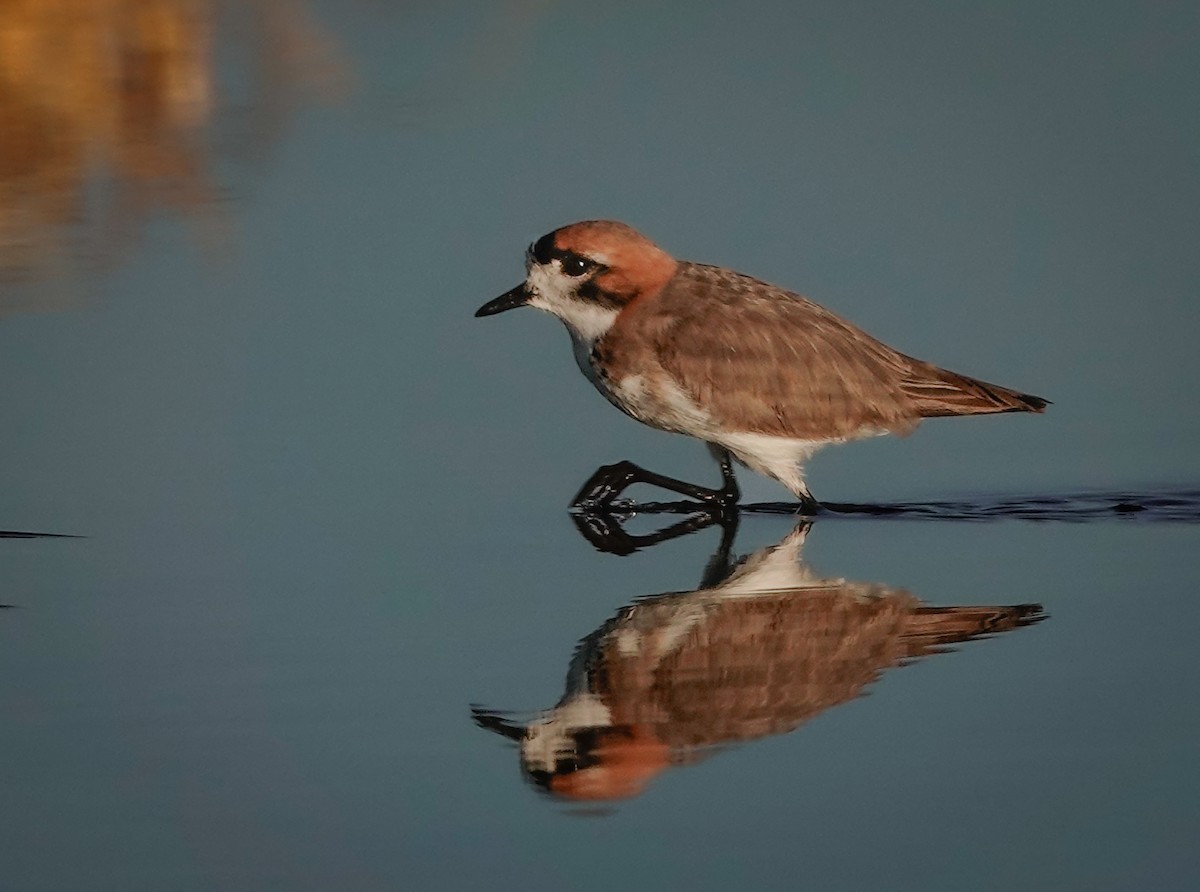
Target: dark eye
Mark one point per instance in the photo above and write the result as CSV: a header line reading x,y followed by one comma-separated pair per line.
x,y
574,265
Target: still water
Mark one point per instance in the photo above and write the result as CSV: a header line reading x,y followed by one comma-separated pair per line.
x,y
316,615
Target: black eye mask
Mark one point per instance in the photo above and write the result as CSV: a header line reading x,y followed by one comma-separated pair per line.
x,y
544,251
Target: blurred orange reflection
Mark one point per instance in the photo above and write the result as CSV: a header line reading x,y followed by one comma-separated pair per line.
x,y
108,108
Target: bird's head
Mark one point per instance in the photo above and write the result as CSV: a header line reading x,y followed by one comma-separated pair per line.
x,y
586,273
574,751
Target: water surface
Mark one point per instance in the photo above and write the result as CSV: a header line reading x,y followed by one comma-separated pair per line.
x,y
312,514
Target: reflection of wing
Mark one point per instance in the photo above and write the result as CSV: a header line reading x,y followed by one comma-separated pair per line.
x,y
734,669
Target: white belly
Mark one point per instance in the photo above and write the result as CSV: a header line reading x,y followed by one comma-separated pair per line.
x,y
780,457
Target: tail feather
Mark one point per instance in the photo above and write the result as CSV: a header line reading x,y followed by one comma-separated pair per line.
x,y
938,392
931,629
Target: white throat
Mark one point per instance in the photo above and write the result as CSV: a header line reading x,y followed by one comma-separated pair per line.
x,y
555,293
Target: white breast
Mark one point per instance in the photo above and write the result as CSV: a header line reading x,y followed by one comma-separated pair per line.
x,y
653,399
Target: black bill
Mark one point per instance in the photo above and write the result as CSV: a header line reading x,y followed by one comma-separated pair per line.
x,y
509,300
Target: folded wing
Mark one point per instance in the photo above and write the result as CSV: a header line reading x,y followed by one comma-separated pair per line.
x,y
762,359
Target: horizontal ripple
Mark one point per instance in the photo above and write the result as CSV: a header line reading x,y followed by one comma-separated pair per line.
x,y
1164,506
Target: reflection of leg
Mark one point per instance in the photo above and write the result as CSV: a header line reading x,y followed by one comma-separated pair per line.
x,y
610,481
606,534
721,564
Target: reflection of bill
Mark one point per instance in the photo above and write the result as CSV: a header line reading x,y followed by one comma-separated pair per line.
x,y
759,653
107,110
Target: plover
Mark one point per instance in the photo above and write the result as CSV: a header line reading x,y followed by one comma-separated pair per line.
x,y
757,372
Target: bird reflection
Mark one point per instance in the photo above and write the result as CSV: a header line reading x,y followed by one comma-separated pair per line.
x,y
760,648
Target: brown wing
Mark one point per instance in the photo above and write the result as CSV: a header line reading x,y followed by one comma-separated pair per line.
x,y
763,359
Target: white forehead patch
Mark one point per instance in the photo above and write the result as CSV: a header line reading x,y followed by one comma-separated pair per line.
x,y
555,292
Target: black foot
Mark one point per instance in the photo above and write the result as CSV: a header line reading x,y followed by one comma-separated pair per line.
x,y
609,481
809,506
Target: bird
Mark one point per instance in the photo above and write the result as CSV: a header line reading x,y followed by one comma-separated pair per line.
x,y
753,653
760,374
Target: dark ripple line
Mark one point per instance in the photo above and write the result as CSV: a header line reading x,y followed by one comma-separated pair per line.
x,y
1167,506
22,534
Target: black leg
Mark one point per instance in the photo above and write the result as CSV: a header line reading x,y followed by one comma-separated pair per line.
x,y
729,492
610,481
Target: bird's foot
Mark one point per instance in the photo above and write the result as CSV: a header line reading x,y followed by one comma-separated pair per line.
x,y
603,487
809,507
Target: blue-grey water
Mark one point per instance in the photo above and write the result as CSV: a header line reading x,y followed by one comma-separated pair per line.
x,y
315,545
